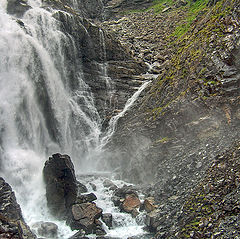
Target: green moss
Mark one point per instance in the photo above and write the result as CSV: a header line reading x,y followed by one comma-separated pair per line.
x,y
159,5
193,10
163,140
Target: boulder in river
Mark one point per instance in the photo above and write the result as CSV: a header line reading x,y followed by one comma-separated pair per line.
x,y
46,229
61,184
119,194
107,219
130,203
83,216
86,198
109,184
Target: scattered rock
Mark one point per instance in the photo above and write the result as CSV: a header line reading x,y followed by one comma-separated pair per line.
x,y
86,198
119,194
109,184
149,204
152,221
81,188
166,9
180,3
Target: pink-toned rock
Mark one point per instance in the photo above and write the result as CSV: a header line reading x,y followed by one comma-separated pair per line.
x,y
130,203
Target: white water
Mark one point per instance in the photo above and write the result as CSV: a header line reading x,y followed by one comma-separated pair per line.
x,y
124,225
39,112
113,120
110,88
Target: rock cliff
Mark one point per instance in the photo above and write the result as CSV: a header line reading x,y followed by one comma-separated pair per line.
x,y
107,66
191,112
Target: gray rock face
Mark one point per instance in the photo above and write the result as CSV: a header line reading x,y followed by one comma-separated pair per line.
x,y
17,7
103,60
12,224
61,185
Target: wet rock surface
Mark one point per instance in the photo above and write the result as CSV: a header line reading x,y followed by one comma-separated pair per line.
x,y
107,219
110,71
126,198
61,184
46,229
12,224
84,215
17,7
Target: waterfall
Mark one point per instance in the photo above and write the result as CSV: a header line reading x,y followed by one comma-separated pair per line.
x,y
41,112
114,120
110,88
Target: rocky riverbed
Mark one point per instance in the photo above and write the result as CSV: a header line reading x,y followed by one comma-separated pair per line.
x,y
102,209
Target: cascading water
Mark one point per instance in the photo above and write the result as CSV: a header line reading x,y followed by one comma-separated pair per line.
x,y
40,112
103,69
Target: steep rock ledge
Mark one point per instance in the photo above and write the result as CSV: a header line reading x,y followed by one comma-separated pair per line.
x,y
106,64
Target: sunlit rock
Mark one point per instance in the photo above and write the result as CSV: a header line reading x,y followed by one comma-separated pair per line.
x,y
130,203
83,216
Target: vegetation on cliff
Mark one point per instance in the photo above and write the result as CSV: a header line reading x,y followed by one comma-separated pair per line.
x,y
202,43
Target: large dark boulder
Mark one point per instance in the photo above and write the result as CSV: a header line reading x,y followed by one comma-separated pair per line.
x,y
61,184
12,224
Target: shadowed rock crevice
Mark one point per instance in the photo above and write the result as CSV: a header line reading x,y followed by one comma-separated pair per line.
x,y
12,224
